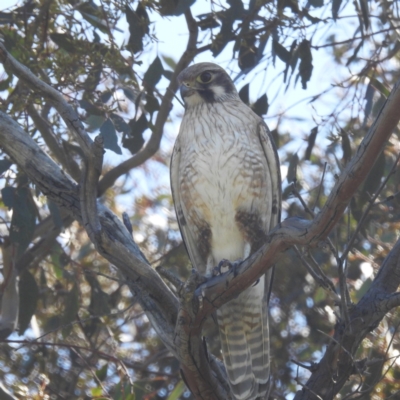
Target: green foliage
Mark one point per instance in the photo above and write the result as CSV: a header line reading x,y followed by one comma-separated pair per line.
x,y
107,131
104,57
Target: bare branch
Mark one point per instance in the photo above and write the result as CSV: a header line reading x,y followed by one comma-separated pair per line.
x,y
5,394
293,231
338,361
321,279
190,346
48,136
117,244
368,209
319,188
88,189
170,277
154,142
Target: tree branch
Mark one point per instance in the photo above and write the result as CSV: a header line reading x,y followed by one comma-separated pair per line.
x,y
196,368
88,189
55,97
155,297
116,244
293,231
51,141
338,361
153,144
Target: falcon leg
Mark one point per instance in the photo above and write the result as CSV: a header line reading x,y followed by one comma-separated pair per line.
x,y
226,265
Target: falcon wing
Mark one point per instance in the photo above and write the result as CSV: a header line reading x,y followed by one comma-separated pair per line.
x,y
271,155
187,235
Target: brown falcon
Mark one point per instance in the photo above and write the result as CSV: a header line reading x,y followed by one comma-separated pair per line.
x,y
226,187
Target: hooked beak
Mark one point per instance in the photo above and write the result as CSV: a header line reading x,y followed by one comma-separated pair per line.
x,y
186,91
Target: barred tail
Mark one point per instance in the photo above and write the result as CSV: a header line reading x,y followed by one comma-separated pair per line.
x,y
244,332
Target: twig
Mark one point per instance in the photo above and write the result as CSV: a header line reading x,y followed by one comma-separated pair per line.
x,y
304,386
154,142
177,98
51,141
344,295
345,299
389,302
303,203
312,367
95,377
127,222
322,279
368,209
320,187
66,111
352,39
339,344
171,277
99,353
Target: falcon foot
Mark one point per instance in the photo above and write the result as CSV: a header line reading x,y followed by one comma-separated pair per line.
x,y
226,265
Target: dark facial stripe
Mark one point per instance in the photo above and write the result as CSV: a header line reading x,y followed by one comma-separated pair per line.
x,y
207,95
220,80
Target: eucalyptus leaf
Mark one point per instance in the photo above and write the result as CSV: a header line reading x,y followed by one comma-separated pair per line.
x,y
292,170
107,130
260,107
335,8
23,218
282,53
8,196
311,142
28,298
5,164
154,73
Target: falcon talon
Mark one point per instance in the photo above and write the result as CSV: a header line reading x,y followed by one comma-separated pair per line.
x,y
235,267
223,266
256,282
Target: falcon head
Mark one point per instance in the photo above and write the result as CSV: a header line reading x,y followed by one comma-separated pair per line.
x,y
205,83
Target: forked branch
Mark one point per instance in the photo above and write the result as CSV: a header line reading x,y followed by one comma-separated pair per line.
x,y
115,243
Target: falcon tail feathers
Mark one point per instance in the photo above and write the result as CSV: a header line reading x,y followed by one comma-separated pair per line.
x,y
244,332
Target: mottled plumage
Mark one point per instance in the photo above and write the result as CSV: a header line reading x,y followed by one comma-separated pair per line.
x,y
226,187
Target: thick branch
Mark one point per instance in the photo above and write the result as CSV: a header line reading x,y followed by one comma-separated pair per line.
x,y
115,242
88,189
155,297
293,231
338,361
196,367
221,289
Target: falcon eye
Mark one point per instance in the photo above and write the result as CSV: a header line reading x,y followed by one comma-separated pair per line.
x,y
205,77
